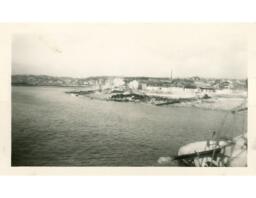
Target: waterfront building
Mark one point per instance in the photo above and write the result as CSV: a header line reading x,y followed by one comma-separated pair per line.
x,y
133,84
118,82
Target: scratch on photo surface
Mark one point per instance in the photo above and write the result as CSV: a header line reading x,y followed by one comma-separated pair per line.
x,y
50,46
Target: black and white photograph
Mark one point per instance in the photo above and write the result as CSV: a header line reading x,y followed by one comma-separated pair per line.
x,y
130,95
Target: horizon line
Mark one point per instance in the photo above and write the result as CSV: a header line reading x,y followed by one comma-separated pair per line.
x,y
123,76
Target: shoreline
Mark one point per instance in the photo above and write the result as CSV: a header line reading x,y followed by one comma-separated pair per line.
x,y
217,103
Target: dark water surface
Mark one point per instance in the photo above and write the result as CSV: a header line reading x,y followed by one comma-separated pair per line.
x,y
51,128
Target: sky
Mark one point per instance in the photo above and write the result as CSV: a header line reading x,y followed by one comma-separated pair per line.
x,y
215,51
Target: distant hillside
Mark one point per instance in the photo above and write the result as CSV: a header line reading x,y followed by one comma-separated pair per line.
x,y
44,80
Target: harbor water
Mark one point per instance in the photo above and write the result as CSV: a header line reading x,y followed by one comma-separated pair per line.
x,y
52,128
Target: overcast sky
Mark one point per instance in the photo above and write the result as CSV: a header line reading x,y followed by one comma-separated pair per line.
x,y
134,50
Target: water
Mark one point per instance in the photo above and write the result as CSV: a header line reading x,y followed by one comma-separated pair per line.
x,y
51,128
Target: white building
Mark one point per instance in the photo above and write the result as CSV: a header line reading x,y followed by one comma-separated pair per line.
x,y
133,84
118,82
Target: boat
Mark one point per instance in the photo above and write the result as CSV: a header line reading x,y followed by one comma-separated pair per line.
x,y
215,152
224,153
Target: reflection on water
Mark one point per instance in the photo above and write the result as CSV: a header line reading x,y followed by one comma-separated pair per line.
x,y
51,128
